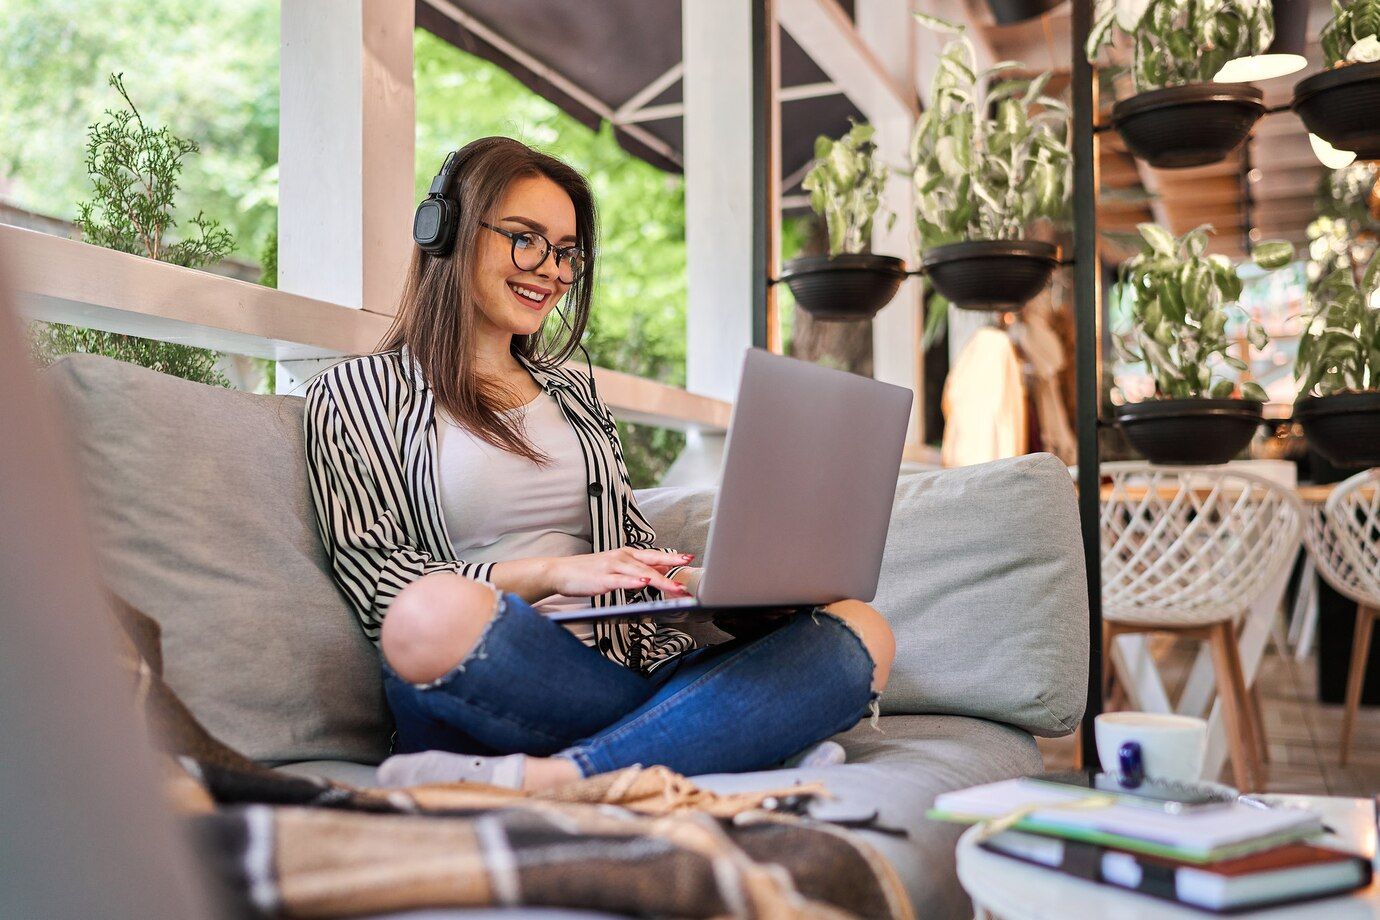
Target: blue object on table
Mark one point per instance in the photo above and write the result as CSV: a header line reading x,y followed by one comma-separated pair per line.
x,y
1130,765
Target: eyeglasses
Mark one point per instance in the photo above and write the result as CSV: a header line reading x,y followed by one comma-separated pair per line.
x,y
530,250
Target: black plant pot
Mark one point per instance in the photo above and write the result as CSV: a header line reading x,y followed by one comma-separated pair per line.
x,y
1341,105
1191,431
1192,125
1007,12
990,274
850,286
1343,427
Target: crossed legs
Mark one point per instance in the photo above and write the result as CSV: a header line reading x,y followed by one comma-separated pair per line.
x,y
433,629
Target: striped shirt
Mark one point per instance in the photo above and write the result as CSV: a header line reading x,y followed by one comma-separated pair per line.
x,y
371,446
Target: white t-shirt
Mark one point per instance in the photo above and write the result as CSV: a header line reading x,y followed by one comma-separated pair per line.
x,y
499,506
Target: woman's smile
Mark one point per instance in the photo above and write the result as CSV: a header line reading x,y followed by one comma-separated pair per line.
x,y
530,295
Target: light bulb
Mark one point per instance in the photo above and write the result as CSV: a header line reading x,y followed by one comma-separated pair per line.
x,y
1260,67
1328,155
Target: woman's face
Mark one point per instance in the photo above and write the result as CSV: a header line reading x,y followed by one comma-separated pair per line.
x,y
512,300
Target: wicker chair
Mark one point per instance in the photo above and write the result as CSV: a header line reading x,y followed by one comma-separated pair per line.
x,y
1343,537
1187,551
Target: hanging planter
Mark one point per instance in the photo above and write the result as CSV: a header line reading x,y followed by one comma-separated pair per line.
x,y
849,286
991,159
1179,331
1343,427
1191,431
845,186
1008,12
1179,116
990,274
1192,125
1338,365
1341,106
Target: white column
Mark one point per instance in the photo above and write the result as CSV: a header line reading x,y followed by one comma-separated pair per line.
x,y
886,27
717,50
345,152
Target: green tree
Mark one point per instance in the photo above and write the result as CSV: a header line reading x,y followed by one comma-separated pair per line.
x,y
208,70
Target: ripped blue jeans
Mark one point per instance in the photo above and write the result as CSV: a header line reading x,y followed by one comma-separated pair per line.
x,y
531,687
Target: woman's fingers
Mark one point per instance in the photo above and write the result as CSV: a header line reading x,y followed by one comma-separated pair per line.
x,y
652,577
655,557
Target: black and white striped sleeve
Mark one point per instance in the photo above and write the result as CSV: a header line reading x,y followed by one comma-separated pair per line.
x,y
354,487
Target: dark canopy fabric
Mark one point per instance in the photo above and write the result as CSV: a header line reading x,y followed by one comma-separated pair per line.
x,y
612,49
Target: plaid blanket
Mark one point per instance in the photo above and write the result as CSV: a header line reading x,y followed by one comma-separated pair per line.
x,y
641,841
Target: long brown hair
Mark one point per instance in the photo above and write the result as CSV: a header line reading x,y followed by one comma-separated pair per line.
x,y
437,311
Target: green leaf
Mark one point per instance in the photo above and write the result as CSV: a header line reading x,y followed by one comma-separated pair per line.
x,y
1253,390
935,24
1256,335
1160,240
936,320
1221,389
1273,254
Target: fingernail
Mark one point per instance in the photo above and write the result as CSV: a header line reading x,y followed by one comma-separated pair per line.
x,y
687,556
646,580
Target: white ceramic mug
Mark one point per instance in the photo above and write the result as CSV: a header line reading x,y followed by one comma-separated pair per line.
x,y
1172,747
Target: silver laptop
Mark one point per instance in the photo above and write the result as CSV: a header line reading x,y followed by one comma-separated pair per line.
x,y
809,479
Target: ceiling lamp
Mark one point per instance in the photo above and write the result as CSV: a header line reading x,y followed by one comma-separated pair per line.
x,y
1328,155
1285,54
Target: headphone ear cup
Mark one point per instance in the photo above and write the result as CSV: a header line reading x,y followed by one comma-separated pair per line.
x,y
433,226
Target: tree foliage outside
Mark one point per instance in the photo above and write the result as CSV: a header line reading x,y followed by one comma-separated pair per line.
x,y
210,72
134,170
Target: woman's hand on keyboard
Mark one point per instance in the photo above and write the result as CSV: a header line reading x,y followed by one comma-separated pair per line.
x,y
627,568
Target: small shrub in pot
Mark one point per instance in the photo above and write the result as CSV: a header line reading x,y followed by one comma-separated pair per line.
x,y
1339,104
1338,366
1182,299
1180,116
990,157
845,187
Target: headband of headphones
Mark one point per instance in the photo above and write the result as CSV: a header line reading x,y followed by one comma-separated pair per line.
x,y
433,226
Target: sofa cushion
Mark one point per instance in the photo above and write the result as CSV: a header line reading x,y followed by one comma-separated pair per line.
x,y
199,507
895,771
982,581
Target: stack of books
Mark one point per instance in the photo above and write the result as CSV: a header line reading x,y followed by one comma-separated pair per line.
x,y
1220,857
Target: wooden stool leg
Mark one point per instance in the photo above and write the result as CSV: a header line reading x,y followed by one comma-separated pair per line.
x,y
1356,676
1231,690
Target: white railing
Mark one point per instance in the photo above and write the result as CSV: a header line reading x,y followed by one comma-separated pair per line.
x,y
65,281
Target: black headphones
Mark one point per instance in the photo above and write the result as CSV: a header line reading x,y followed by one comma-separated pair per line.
x,y
433,226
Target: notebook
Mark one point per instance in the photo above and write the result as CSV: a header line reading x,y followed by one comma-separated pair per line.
x,y
1285,874
1197,837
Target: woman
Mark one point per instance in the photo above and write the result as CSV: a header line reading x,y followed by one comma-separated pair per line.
x,y
465,481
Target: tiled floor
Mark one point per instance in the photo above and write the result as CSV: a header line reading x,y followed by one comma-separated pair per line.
x,y
1302,734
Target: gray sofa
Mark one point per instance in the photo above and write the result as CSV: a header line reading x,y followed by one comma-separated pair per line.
x,y
199,506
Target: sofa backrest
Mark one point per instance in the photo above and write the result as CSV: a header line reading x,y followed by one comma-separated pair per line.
x,y
201,514
982,582
199,505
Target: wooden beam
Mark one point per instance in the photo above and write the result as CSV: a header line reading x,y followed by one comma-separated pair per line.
x,y
823,30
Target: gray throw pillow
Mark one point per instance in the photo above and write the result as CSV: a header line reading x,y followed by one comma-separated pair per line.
x,y
982,581
199,506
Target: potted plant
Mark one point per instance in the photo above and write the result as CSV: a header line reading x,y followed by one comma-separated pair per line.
x,y
989,158
1179,116
1339,104
845,187
1338,367
1180,298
